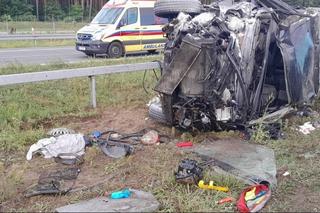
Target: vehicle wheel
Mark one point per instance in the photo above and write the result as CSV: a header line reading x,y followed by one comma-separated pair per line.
x,y
171,8
115,50
90,54
152,51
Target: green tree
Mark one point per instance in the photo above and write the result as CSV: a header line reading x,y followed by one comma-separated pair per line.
x,y
54,11
76,12
15,8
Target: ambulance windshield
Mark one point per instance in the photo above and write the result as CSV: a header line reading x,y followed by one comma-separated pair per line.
x,y
107,16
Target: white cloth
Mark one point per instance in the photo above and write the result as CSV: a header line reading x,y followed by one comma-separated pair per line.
x,y
51,147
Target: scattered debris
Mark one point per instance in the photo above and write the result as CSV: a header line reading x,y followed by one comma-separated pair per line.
x,y
226,200
139,202
248,162
56,182
116,150
236,62
60,131
210,186
69,159
189,172
286,174
63,144
184,144
150,138
118,145
254,198
306,128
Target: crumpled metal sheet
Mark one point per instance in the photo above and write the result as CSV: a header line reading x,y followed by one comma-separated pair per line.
x,y
300,54
250,163
264,53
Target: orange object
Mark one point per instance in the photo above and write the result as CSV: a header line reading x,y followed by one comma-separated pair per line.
x,y
226,200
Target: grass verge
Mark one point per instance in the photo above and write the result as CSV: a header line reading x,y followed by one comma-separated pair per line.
x,y
37,43
25,109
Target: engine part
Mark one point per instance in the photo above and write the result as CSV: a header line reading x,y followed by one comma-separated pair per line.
x,y
189,172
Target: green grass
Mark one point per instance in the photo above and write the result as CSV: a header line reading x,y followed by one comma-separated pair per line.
x,y
27,110
25,107
39,43
41,27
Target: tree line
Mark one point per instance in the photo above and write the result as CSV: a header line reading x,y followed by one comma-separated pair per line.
x,y
48,10
74,10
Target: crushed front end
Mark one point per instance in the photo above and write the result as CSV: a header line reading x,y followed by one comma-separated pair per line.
x,y
235,63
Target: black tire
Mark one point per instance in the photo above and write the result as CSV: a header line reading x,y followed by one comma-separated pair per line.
x,y
115,50
171,8
90,54
152,51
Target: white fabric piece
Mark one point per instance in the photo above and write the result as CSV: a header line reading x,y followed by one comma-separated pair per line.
x,y
306,128
52,147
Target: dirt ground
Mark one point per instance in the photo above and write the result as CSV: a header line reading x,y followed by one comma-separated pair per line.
x,y
150,168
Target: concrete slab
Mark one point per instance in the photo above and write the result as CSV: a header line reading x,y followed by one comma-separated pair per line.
x,y
139,202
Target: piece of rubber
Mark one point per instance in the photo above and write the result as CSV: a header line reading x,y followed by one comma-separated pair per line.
x,y
119,150
170,8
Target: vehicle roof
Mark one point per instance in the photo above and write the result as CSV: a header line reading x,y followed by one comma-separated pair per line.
x,y
124,3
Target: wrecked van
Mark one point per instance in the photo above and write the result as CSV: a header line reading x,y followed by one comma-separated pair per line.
x,y
231,64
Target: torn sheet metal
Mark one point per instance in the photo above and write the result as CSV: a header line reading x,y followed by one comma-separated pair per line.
x,y
248,162
237,62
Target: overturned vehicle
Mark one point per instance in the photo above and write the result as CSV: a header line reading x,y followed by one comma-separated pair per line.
x,y
231,64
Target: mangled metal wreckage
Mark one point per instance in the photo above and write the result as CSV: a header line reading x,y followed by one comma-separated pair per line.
x,y
235,62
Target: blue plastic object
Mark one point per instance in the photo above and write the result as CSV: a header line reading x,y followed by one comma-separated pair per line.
x,y
121,194
96,134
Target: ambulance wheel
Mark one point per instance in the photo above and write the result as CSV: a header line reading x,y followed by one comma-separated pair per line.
x,y
115,50
170,8
152,51
90,54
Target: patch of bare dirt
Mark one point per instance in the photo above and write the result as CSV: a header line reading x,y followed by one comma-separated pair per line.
x,y
121,119
99,172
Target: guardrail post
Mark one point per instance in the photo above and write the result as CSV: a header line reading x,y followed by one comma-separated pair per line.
x,y
93,91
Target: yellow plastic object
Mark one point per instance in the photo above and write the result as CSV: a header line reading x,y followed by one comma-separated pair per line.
x,y
202,185
250,195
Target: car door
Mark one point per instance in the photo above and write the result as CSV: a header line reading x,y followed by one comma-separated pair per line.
x,y
130,30
151,29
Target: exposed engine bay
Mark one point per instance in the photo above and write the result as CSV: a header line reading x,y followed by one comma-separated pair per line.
x,y
237,62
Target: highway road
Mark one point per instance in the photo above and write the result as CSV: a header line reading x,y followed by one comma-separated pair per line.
x,y
40,55
46,55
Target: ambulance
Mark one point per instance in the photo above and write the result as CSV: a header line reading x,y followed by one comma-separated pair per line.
x,y
122,26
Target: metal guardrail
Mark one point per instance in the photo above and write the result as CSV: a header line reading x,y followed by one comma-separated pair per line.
x,y
91,72
16,37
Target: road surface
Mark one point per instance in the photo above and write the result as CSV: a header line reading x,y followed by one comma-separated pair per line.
x,y
40,55
47,55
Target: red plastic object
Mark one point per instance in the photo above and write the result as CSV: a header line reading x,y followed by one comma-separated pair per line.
x,y
184,144
226,200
